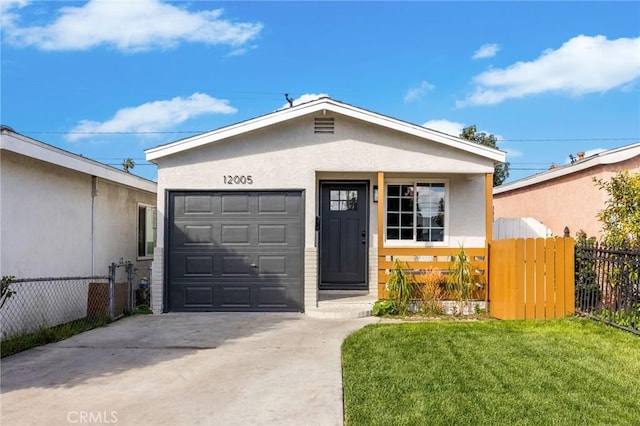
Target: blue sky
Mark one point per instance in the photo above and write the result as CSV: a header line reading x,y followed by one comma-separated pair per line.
x,y
108,79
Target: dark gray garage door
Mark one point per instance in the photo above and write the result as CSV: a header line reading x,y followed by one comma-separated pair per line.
x,y
235,251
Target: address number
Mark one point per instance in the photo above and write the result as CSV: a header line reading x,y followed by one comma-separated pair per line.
x,y
238,180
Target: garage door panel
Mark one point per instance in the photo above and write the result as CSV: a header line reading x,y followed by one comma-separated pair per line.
x,y
272,297
272,265
196,204
235,251
283,263
198,235
235,265
199,297
234,203
235,234
236,297
198,266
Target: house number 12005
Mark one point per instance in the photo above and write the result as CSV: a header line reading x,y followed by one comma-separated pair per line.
x,y
238,179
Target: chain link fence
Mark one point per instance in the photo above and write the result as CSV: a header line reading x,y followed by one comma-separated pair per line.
x,y
40,310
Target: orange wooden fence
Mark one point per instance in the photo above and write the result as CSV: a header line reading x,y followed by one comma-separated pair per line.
x,y
531,278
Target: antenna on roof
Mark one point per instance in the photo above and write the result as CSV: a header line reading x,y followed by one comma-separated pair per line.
x,y
286,96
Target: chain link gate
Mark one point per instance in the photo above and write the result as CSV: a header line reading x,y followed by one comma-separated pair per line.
x,y
121,292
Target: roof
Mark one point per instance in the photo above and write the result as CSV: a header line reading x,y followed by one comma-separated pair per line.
x,y
12,141
612,156
319,105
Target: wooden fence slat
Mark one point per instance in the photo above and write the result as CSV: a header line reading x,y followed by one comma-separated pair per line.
x,y
559,283
519,278
550,273
530,274
539,278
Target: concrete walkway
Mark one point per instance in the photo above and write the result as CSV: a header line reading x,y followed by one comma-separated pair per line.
x,y
184,369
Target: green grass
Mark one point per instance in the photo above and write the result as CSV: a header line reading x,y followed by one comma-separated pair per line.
x,y
47,335
563,372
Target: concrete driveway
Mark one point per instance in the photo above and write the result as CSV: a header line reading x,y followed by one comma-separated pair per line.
x,y
184,369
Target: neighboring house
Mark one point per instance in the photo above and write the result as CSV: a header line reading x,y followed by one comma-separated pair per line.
x,y
266,214
566,195
64,215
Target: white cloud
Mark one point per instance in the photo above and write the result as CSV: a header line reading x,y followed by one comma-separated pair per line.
x,y
6,5
307,97
128,26
511,153
581,65
418,92
445,126
486,51
154,116
454,128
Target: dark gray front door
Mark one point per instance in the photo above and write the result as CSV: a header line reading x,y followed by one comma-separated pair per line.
x,y
235,251
343,236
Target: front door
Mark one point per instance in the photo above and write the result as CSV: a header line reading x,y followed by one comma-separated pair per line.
x,y
343,236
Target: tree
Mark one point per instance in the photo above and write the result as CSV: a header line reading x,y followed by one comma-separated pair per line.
x,y
621,216
501,171
128,164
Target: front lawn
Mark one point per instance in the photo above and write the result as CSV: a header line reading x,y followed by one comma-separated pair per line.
x,y
563,372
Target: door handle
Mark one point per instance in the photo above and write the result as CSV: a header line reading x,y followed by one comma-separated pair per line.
x,y
364,233
253,265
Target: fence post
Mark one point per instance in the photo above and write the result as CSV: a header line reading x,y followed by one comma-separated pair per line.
x,y
130,270
112,285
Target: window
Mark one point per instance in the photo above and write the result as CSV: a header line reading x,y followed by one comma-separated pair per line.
x,y
416,212
146,230
343,200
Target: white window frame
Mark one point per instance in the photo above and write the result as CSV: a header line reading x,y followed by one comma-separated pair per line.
x,y
414,243
147,208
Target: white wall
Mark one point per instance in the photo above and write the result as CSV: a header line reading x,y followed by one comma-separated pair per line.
x,y
291,156
116,225
46,214
46,231
46,219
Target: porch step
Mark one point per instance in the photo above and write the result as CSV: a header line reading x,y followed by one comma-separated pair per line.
x,y
343,305
340,313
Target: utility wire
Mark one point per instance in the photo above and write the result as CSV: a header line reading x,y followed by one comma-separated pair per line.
x,y
169,132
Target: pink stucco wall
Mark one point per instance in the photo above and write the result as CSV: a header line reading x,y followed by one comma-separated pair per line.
x,y
572,200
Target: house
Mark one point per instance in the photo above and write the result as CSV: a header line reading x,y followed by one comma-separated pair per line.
x,y
319,198
63,215
566,196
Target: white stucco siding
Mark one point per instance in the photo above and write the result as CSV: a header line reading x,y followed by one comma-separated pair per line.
x,y
46,219
46,215
467,212
289,156
116,225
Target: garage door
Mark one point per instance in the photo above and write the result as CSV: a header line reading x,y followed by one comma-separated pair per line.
x,y
235,251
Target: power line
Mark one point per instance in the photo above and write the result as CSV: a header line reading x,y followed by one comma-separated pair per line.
x,y
169,132
569,139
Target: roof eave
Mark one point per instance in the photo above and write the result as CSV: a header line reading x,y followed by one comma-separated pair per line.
x,y
279,116
607,157
24,145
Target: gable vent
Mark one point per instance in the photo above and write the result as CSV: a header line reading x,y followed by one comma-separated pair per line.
x,y
324,125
